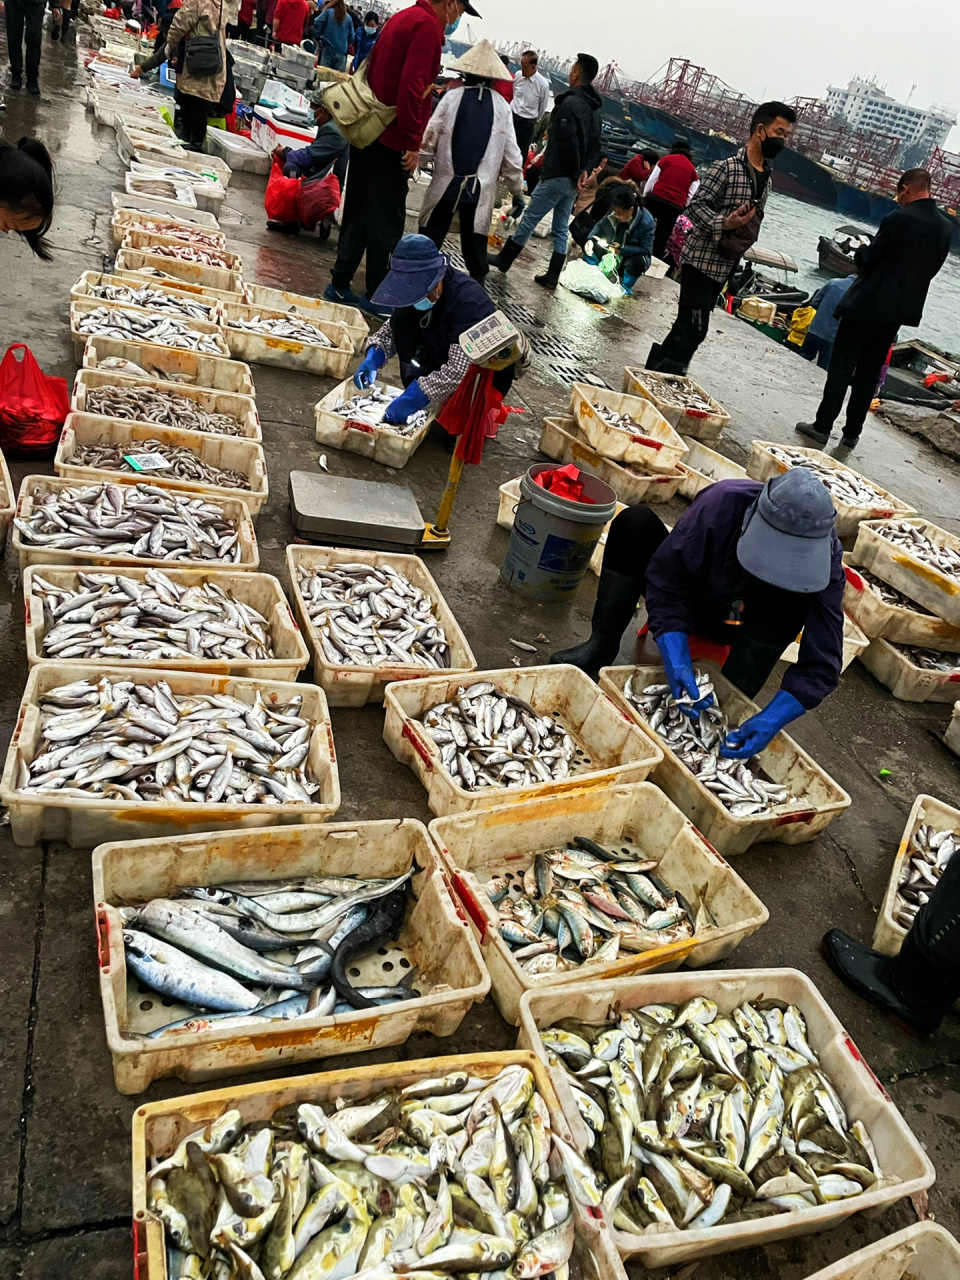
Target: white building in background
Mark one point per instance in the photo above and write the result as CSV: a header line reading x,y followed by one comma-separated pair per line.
x,y
863,105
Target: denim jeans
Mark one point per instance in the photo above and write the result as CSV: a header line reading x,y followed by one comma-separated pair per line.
x,y
558,194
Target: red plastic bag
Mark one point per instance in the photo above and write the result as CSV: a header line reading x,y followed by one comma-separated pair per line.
x,y
319,198
33,405
280,198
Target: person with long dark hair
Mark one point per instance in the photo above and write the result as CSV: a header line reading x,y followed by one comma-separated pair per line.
x,y
27,193
333,32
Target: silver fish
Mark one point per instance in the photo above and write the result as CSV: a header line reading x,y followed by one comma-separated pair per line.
x,y
182,463
678,392
844,486
155,300
149,404
144,326
369,405
920,540
925,861
293,327
928,659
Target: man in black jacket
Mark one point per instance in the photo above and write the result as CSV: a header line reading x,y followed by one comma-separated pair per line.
x,y
573,151
895,271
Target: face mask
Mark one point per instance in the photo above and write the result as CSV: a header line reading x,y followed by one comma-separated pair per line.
x,y
425,304
371,31
452,26
770,148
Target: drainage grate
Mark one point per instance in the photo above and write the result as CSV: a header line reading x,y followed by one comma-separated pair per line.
x,y
544,344
496,285
522,315
570,373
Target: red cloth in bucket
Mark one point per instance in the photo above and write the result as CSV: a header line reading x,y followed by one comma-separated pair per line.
x,y
564,482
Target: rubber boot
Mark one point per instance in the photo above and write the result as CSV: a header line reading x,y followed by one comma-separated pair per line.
x,y
617,597
657,364
551,277
909,988
507,256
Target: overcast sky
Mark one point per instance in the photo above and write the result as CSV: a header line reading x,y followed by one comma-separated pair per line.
x,y
762,49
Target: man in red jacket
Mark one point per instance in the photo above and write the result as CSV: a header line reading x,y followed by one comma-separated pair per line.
x,y
401,71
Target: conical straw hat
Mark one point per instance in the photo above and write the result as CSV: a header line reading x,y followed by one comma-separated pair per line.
x,y
482,60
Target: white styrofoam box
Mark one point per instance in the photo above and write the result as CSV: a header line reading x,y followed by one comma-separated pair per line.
x,y
240,153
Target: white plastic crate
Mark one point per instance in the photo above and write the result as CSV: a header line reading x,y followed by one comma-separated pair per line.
x,y
355,686
611,749
562,440
91,280
287,353
699,424
936,591
236,151
85,305
854,644
8,501
125,219
921,1250
703,466
260,295
148,241
502,841
201,170
222,279
906,681
894,622
378,443
510,497
888,936
655,445
907,1168
783,760
241,408
208,372
84,823
163,209
137,184
952,735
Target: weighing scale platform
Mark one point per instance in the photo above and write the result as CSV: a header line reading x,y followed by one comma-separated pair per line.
x,y
354,513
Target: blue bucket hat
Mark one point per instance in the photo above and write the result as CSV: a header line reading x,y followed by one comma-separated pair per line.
x,y
787,537
416,267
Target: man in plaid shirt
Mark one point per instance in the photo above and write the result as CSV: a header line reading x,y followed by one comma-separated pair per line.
x,y
732,193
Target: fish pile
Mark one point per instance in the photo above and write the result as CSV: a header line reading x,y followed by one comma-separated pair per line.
x,y
582,904
928,659
678,393
622,421
266,949
888,594
291,326
130,369
699,1119
844,486
368,407
153,300
146,404
110,616
135,520
447,1175
926,860
205,257
372,615
922,547
141,326
123,741
201,237
159,187
741,788
182,463
493,739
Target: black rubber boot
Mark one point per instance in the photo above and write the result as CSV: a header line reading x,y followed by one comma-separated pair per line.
x,y
507,256
812,432
900,986
551,277
617,597
657,364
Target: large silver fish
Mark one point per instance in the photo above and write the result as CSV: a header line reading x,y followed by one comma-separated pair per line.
x,y
143,326
181,463
926,860
149,404
844,486
919,540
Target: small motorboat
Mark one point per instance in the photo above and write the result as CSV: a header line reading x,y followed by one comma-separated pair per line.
x,y
922,374
749,282
836,252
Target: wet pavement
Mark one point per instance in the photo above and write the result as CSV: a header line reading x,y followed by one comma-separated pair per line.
x,y
64,1130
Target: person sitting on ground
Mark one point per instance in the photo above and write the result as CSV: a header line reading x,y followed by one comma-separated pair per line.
x,y
628,230
365,37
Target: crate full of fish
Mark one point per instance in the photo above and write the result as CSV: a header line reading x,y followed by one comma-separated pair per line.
x,y
918,559
506,511
103,449
291,341
352,420
880,610
930,839
151,295
747,1113
261,295
396,1194
8,501
202,170
782,794
912,673
129,524
855,497
153,402
536,732
923,1249
147,206
854,644
288,944
91,318
199,249
591,886
156,164
134,753
626,428
168,364
563,440
127,220
678,399
370,618
703,466
169,193
171,619
190,268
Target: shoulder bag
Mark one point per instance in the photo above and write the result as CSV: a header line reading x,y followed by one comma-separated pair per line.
x,y
735,242
359,113
203,55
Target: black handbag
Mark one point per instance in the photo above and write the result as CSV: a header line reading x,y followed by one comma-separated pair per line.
x,y
735,242
203,55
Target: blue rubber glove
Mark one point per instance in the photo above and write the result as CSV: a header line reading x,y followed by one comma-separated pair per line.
x,y
674,648
760,730
405,406
629,282
373,362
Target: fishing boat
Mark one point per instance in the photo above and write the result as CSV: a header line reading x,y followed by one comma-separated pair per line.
x,y
836,252
922,374
752,282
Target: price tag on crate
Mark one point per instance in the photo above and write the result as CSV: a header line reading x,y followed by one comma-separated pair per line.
x,y
147,461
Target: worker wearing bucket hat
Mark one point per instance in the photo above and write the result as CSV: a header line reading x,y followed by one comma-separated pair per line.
x,y
748,566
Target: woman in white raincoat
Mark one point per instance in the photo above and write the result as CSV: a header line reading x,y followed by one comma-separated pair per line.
x,y
472,142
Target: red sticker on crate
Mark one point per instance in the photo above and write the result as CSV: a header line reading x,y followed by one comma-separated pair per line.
x,y
788,819
698,413
856,1054
354,424
854,578
471,906
103,939
648,441
419,747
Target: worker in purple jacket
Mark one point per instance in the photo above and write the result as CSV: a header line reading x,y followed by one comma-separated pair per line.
x,y
749,566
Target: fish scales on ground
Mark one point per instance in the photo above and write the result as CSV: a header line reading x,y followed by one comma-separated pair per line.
x,y
142,326
372,616
109,616
118,740
491,739
698,1119
446,1176
678,393
146,404
888,594
153,300
926,859
369,406
921,546
292,327
136,521
182,463
844,486
203,256
928,659
741,787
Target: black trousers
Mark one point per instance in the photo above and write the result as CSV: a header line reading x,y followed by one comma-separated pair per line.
x,y
935,937
472,246
772,617
194,113
24,20
859,353
524,129
665,215
374,212
698,297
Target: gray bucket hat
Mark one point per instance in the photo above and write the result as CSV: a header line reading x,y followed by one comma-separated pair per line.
x,y
787,537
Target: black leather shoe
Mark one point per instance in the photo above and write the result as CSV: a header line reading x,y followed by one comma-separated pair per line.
x,y
874,978
16,82
809,429
849,442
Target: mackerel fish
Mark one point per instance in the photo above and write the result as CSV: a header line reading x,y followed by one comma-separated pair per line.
x,y
919,541
292,326
888,594
696,1118
144,326
117,740
843,485
154,300
182,463
677,392
926,860
372,615
448,1175
928,659
369,406
150,404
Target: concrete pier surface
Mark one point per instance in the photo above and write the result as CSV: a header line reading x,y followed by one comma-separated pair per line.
x,y
64,1129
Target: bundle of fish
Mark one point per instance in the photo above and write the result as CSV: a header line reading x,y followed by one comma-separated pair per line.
x,y
698,1119
372,616
159,187
926,860
146,404
126,741
582,904
265,949
114,617
678,393
888,594
844,486
130,369
922,547
200,237
136,520
696,743
369,406
205,257
293,327
153,300
182,463
493,739
928,659
444,1176
622,421
141,326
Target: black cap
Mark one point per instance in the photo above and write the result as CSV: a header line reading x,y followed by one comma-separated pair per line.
x,y
590,65
470,9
